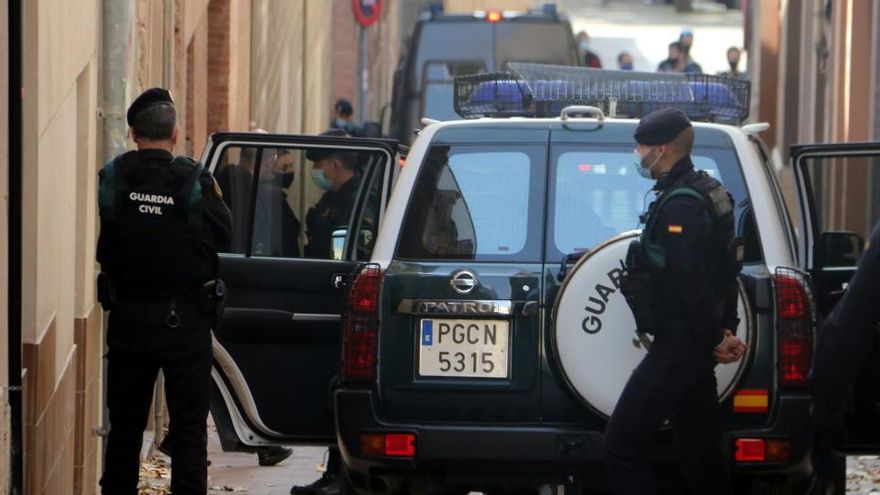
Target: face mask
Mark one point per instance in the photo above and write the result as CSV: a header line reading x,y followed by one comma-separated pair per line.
x,y
285,179
626,66
341,124
641,169
584,45
319,180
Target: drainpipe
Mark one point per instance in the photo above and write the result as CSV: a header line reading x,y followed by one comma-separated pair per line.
x,y
14,239
116,28
115,61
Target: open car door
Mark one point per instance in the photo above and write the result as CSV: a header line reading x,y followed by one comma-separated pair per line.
x,y
838,188
277,342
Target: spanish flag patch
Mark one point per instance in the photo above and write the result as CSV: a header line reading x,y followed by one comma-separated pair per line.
x,y
751,401
675,229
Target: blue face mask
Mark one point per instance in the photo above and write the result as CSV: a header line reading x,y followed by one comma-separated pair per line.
x,y
319,179
626,66
641,168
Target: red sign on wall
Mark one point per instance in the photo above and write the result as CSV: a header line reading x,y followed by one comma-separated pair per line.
x,y
367,12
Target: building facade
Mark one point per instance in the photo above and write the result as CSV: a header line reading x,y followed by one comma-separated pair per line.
x,y
231,65
817,81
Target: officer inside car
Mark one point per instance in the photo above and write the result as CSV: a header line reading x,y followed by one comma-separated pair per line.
x,y
681,286
162,223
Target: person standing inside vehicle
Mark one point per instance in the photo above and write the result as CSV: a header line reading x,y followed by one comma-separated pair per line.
x,y
163,221
847,336
335,172
687,260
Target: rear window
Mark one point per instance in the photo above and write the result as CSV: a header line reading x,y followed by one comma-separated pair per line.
x,y
479,203
596,194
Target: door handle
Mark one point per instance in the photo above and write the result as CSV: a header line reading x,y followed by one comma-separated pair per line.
x,y
530,308
339,281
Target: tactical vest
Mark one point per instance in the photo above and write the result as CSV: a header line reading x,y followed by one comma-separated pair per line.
x,y
717,204
152,216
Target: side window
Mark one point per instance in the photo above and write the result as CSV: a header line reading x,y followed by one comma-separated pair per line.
x,y
299,202
473,202
846,192
368,221
597,194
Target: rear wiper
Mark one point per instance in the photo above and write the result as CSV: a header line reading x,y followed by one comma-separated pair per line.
x,y
569,259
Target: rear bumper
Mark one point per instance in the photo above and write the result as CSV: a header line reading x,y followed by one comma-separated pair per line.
x,y
484,454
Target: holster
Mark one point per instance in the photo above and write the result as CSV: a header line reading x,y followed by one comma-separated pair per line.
x,y
637,287
107,295
210,299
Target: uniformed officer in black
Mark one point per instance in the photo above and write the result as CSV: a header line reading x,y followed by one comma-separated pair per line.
x,y
334,171
688,235
162,223
847,336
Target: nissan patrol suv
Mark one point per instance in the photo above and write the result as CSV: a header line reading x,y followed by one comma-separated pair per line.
x,y
468,334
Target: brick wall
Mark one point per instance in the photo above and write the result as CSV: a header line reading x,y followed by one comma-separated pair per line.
x,y
218,64
345,53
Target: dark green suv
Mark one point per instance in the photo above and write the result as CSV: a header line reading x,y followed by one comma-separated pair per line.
x,y
482,337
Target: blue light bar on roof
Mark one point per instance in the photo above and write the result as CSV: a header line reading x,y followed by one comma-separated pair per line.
x,y
539,90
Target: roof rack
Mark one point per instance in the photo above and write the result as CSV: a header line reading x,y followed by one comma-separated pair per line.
x,y
538,90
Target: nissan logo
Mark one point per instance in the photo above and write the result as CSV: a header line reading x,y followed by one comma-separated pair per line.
x,y
464,281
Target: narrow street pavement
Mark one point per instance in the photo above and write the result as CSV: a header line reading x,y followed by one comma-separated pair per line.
x,y
239,473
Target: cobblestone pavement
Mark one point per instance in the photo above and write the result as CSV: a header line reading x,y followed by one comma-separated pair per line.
x,y
239,473
863,475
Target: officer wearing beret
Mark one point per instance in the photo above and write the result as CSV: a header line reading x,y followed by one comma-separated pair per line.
x,y
687,258
162,222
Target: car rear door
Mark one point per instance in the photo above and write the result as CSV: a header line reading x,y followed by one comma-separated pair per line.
x,y
277,342
838,189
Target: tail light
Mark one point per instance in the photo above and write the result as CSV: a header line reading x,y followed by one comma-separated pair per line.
x,y
776,450
794,327
750,450
360,327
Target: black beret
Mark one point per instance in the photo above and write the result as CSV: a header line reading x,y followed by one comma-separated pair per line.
x,y
147,99
316,154
661,126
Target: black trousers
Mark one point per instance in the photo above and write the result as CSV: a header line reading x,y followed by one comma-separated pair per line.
x,y
140,344
675,381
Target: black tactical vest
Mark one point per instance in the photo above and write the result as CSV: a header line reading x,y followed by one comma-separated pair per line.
x,y
726,249
151,213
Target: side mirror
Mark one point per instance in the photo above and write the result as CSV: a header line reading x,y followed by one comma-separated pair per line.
x,y
838,249
338,242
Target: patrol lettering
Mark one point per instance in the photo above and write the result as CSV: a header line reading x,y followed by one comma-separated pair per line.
x,y
592,324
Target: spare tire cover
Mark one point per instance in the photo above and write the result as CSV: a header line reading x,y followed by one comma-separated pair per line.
x,y
594,335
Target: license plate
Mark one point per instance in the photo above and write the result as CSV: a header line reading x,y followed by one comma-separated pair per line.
x,y
464,348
